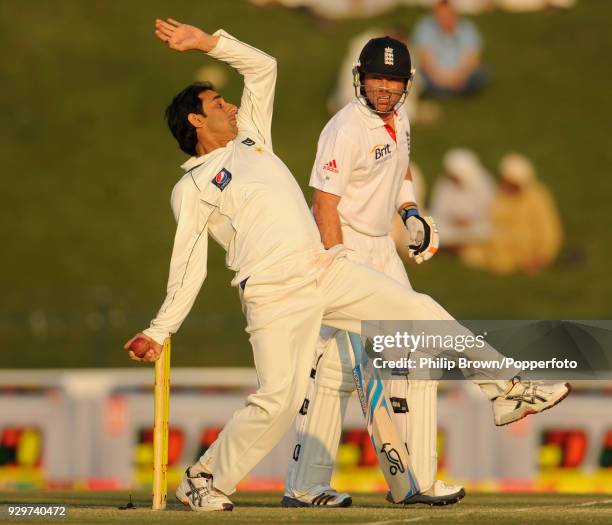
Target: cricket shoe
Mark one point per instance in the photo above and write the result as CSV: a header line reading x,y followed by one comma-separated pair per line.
x,y
437,495
198,492
319,496
522,398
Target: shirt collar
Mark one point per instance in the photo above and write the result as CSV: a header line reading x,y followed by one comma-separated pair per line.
x,y
194,162
371,118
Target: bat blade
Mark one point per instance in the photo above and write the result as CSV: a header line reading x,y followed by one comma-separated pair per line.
x,y
392,454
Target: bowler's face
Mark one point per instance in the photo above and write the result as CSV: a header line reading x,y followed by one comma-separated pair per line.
x,y
382,92
220,115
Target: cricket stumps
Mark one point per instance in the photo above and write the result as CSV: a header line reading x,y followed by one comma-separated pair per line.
x,y
160,428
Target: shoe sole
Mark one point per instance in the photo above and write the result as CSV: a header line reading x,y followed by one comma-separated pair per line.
x,y
294,503
226,506
530,411
435,501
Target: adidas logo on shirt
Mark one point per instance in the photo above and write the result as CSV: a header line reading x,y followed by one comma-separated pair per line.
x,y
331,166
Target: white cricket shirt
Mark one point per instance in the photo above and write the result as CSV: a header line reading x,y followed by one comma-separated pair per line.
x,y
243,195
362,161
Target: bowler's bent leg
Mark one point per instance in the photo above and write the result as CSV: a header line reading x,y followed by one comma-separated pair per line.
x,y
283,352
355,293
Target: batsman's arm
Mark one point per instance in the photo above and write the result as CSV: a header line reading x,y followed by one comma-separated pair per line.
x,y
423,237
188,261
330,176
406,197
325,211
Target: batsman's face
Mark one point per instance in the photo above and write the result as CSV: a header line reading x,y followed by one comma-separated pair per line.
x,y
382,92
220,115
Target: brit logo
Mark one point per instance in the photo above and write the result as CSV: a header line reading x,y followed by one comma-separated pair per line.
x,y
381,150
388,56
222,179
331,166
248,142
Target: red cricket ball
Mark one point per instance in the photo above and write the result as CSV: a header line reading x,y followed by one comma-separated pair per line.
x,y
140,346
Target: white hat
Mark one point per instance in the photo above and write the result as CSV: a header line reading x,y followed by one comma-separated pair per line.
x,y
516,168
463,164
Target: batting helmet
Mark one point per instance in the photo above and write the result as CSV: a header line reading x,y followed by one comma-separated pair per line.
x,y
387,57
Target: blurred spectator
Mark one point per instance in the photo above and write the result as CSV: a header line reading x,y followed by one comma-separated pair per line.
x,y
533,5
472,7
344,90
468,7
527,234
343,9
449,53
461,200
336,9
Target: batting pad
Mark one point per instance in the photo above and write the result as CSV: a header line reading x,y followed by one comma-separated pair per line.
x,y
319,422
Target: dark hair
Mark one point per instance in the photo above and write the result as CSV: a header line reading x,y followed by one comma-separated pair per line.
x,y
186,102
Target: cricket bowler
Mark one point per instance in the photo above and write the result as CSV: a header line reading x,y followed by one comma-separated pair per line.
x,y
236,190
361,177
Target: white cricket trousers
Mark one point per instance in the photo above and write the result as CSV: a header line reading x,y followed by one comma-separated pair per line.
x,y
285,308
319,421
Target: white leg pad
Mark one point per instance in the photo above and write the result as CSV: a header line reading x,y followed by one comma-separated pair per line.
x,y
319,422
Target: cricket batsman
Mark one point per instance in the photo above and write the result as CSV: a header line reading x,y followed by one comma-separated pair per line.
x,y
236,190
361,177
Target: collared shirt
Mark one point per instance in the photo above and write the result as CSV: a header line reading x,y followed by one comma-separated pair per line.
x,y
243,195
364,162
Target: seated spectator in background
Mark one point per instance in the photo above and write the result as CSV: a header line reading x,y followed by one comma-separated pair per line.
x,y
461,200
335,9
468,7
527,234
449,53
472,7
534,5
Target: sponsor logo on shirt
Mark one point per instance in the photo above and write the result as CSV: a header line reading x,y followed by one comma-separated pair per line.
x,y
248,142
331,166
222,179
381,151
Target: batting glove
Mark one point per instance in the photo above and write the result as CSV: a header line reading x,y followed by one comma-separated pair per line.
x,y
423,238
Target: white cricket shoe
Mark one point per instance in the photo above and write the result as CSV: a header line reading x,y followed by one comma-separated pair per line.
x,y
198,492
522,398
319,496
437,495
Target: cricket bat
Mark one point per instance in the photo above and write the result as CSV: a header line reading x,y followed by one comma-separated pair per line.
x,y
392,453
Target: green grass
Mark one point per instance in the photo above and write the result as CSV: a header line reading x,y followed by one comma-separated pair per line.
x,y
501,509
87,165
